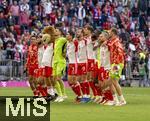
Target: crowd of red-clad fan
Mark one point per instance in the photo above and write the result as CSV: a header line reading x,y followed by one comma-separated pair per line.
x,y
20,18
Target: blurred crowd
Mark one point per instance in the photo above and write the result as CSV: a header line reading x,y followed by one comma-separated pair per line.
x,y
20,18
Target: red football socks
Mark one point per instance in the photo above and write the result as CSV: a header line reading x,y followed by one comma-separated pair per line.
x,y
41,90
76,89
108,95
36,93
83,88
93,88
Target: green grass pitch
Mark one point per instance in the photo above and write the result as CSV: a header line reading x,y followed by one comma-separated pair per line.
x,y
137,109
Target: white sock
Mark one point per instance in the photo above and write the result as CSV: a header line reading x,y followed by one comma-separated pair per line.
x,y
79,96
121,98
115,98
88,96
51,91
84,96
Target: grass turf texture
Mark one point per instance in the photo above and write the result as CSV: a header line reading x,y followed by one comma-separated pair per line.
x,y
137,109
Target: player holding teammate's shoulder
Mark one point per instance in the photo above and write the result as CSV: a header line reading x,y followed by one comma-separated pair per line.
x,y
88,30
72,65
82,65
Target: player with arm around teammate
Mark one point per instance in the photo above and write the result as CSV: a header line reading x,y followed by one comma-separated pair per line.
x,y
72,65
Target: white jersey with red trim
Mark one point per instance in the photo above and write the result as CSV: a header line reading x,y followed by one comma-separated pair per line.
x,y
82,52
48,55
40,56
105,57
71,52
95,50
90,51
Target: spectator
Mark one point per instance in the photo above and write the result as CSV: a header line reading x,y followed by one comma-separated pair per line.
x,y
65,18
136,40
24,21
128,70
10,43
71,13
142,41
35,14
13,31
47,7
135,61
133,26
14,9
10,20
59,16
142,73
120,7
46,22
96,16
4,7
24,7
125,37
117,15
3,22
81,14
135,72
107,25
148,10
113,19
1,51
53,17
19,46
104,18
143,5
33,3
16,62
142,22
135,12
125,2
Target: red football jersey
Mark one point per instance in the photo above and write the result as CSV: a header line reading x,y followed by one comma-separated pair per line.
x,y
117,54
32,58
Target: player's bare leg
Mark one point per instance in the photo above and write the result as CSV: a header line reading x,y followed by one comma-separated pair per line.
x,y
32,85
113,90
119,91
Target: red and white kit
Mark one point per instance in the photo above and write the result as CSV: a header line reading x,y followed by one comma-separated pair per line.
x,y
105,65
82,58
95,74
47,60
32,59
72,58
90,54
39,72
